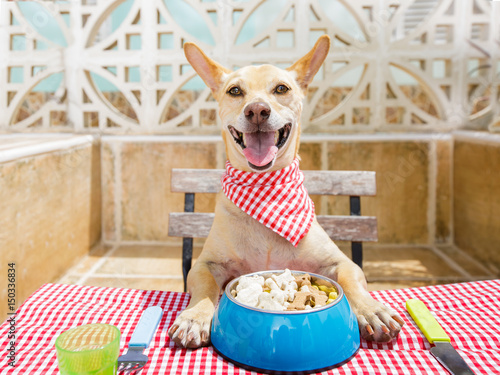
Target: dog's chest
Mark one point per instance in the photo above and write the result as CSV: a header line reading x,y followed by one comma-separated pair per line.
x,y
249,246
256,246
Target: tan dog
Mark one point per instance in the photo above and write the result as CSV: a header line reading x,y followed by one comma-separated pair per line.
x,y
260,108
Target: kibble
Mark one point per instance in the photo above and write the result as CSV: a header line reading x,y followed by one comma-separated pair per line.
x,y
283,292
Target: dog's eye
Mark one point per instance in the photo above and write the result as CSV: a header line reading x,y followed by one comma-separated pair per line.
x,y
281,89
235,91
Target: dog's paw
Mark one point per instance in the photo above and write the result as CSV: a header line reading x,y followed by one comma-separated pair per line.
x,y
191,329
377,322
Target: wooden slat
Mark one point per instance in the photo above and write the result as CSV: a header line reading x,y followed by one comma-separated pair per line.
x,y
316,182
340,182
349,228
196,180
344,228
185,224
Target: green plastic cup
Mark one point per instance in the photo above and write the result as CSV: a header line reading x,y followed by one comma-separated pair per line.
x,y
88,349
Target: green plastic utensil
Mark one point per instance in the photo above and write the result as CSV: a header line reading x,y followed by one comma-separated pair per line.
x,y
442,350
88,349
426,322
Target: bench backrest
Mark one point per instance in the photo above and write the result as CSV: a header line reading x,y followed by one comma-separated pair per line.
x,y
354,228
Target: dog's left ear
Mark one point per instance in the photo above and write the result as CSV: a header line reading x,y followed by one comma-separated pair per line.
x,y
307,67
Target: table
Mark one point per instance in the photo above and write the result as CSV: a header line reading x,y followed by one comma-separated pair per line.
x,y
469,313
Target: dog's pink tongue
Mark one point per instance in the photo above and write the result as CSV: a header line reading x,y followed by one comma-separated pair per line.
x,y
260,148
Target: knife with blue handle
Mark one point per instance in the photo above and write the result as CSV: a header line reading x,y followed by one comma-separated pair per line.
x,y
443,351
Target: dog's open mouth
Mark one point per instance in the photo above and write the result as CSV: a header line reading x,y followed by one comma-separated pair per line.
x,y
260,148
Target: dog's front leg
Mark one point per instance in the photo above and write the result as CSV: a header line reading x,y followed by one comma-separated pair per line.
x,y
191,329
377,322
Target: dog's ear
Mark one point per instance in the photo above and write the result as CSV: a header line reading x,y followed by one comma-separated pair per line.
x,y
211,72
307,67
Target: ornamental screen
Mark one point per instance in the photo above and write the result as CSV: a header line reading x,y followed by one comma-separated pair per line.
x,y
118,66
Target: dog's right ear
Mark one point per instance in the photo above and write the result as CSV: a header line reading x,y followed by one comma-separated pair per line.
x,y
211,72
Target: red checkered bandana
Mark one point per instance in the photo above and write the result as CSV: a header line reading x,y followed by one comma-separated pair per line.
x,y
276,199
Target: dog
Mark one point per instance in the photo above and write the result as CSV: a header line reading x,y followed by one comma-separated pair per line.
x,y
260,109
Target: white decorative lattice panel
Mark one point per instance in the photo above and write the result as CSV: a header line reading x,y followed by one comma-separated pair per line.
x,y
117,66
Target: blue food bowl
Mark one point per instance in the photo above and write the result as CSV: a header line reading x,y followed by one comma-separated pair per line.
x,y
285,341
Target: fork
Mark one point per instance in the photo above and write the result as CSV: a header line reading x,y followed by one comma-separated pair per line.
x,y
134,360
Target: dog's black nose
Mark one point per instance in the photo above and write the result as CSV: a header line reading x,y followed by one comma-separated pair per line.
x,y
257,112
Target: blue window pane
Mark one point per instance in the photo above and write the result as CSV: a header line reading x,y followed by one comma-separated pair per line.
x,y
195,84
473,67
260,19
37,69
314,35
120,13
439,69
42,21
190,20
65,17
186,68
134,42
350,78
166,41
342,17
236,15
320,76
165,73
18,43
103,84
111,69
49,84
40,45
290,17
13,20
285,39
110,22
213,17
16,74
133,74
336,65
264,43
401,77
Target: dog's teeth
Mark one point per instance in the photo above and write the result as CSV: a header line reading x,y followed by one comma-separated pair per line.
x,y
276,136
243,139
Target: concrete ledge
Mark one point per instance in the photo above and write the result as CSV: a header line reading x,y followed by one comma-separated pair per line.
x,y
18,146
477,137
376,137
162,138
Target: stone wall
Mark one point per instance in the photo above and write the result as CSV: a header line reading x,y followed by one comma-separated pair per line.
x,y
413,182
50,206
476,200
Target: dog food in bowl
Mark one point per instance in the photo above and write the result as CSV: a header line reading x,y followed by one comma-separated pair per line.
x,y
283,292
291,338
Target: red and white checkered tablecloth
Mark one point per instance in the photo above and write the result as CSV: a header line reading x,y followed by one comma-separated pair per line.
x,y
468,312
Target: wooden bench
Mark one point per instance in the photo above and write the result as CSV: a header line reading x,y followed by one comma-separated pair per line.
x,y
354,228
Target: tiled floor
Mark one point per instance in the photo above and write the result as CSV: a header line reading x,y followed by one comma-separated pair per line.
x,y
386,267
